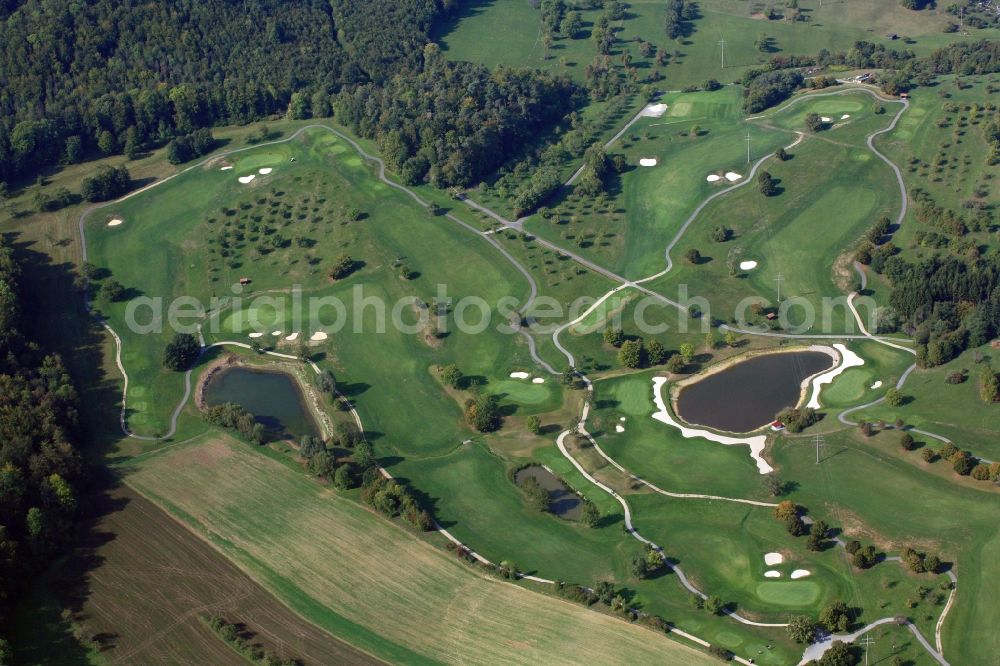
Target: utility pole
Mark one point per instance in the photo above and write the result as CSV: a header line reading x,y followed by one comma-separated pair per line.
x,y
778,278
820,443
868,642
722,43
748,146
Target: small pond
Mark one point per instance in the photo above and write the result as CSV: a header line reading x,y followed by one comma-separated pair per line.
x,y
748,394
563,501
272,397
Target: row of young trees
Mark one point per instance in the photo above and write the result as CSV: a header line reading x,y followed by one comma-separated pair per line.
x,y
41,473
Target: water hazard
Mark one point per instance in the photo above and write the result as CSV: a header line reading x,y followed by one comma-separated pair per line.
x,y
748,394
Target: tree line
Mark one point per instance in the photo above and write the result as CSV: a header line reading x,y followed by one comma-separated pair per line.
x,y
774,82
103,77
41,473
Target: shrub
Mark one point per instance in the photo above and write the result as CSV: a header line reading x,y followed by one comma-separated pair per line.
x,y
802,629
113,291
342,267
614,336
483,413
906,441
181,353
631,354
894,397
106,184
451,375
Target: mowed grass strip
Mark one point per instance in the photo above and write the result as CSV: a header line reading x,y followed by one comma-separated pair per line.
x,y
329,559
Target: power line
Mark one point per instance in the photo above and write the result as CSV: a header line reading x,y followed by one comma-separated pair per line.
x,y
820,442
868,642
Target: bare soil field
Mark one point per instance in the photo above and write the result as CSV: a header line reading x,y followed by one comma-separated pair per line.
x,y
147,581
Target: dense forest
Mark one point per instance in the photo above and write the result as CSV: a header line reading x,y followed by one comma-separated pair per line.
x,y
40,470
84,78
453,122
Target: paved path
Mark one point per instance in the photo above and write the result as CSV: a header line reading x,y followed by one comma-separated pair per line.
x,y
623,284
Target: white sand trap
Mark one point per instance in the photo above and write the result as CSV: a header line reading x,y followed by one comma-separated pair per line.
x,y
114,223
773,559
265,170
732,176
713,178
799,573
845,116
876,385
647,161
848,359
519,375
538,380
226,168
247,179
653,110
275,333
747,265
293,337
256,335
619,428
756,443
825,119
318,336
772,574
622,419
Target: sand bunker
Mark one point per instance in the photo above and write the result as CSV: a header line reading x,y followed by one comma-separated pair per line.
x,y
265,170
756,443
747,265
538,380
712,178
647,161
519,375
653,110
256,335
848,359
799,573
622,419
876,385
292,337
732,176
114,223
772,574
247,179
318,336
619,428
825,119
226,168
845,116
771,559
276,333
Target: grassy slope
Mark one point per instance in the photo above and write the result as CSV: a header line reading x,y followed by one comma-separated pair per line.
x,y
830,192
878,493
506,32
292,536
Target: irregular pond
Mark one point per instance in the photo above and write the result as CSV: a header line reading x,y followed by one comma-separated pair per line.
x,y
272,397
563,501
748,394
